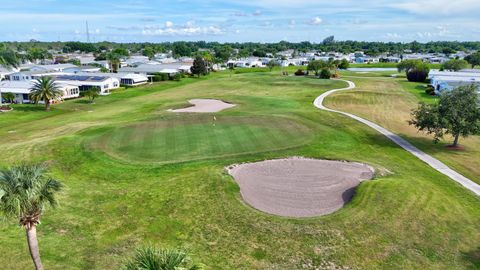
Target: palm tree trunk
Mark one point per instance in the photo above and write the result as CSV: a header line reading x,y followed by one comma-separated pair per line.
x,y
33,247
47,105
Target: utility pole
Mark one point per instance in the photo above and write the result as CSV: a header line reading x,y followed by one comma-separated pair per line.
x,y
88,32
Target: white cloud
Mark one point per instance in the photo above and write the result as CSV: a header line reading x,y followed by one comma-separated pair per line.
x,y
315,21
189,29
168,24
257,13
292,23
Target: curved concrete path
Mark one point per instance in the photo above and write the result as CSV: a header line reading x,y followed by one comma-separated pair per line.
x,y
433,162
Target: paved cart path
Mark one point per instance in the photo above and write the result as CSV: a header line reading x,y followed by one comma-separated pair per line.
x,y
433,162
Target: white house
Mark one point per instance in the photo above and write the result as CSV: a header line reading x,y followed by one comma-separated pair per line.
x,y
29,75
51,68
446,80
104,83
147,69
22,89
4,72
81,69
130,79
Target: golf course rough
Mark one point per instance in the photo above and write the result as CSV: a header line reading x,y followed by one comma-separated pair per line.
x,y
194,137
299,187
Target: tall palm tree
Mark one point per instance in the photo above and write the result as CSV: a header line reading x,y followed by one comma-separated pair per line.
x,y
45,89
114,61
150,258
25,191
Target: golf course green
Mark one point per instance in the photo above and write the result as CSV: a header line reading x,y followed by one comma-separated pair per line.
x,y
138,175
193,137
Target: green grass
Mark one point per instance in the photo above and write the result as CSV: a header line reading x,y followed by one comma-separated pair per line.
x,y
193,137
389,102
409,217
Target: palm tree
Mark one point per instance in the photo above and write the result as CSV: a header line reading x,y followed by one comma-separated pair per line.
x,y
92,93
150,258
114,61
25,191
45,89
9,97
7,57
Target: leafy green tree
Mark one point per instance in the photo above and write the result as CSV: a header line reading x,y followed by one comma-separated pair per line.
x,y
416,70
455,65
457,113
181,48
223,53
325,73
199,67
25,192
473,59
316,66
150,258
122,52
35,54
92,93
148,51
45,89
344,64
271,64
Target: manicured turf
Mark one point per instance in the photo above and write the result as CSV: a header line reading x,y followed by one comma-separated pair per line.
x,y
193,137
408,217
389,102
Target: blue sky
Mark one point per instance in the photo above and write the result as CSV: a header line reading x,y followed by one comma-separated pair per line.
x,y
240,20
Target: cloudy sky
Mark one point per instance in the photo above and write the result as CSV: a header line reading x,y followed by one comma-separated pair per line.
x,y
240,20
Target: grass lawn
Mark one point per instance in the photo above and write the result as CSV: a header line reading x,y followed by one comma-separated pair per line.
x,y
389,102
136,175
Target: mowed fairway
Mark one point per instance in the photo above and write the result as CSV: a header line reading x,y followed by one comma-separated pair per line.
x,y
136,175
192,137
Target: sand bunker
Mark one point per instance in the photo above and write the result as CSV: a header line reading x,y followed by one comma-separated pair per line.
x,y
205,106
299,187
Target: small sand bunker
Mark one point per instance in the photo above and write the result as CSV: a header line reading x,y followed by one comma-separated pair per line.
x,y
205,106
299,187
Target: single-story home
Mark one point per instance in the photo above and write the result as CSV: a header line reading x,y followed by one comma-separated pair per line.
x,y
147,69
22,89
130,79
448,83
104,83
82,69
51,68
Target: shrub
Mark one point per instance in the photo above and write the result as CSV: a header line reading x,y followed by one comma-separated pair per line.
x,y
177,77
160,77
430,90
325,74
299,72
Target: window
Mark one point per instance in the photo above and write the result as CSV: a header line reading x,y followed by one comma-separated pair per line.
x,y
106,86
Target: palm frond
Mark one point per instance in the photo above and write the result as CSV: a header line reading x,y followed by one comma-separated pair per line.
x,y
150,258
26,191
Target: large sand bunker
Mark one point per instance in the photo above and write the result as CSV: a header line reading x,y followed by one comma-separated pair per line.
x,y
299,187
204,106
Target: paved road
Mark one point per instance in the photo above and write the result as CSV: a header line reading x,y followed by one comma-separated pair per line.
x,y
433,162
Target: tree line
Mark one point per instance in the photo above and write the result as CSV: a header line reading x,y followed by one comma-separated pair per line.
x,y
184,48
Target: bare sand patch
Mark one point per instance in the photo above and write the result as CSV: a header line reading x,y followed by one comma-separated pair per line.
x,y
299,187
204,106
